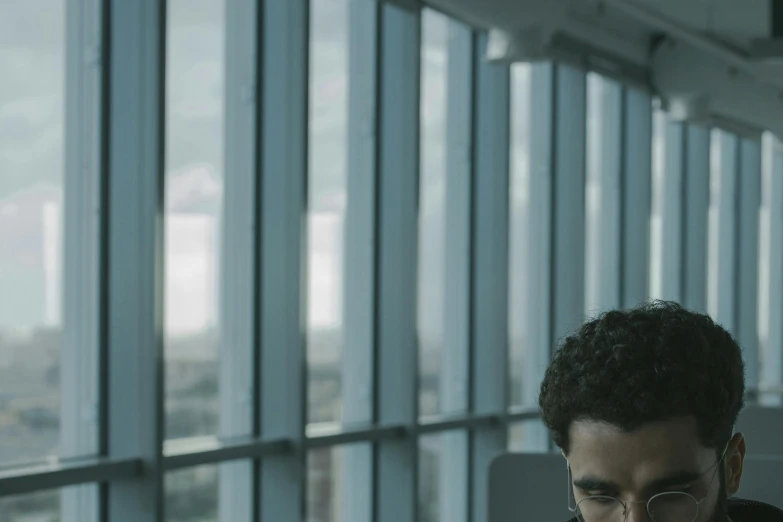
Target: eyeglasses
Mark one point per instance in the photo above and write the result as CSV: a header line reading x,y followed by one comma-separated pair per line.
x,y
673,506
664,507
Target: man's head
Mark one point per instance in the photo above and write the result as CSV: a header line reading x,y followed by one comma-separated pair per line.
x,y
643,402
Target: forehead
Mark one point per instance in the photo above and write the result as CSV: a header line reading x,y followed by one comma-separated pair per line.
x,y
634,459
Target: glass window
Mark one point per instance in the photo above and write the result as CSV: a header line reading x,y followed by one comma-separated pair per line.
x,y
765,241
443,481
722,229
770,272
519,237
432,208
523,437
602,195
327,192
593,195
192,495
42,506
32,228
333,493
194,203
51,505
429,478
660,121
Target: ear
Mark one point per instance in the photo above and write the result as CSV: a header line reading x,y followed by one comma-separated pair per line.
x,y
735,457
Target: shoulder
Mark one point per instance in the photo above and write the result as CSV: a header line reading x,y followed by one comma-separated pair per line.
x,y
741,510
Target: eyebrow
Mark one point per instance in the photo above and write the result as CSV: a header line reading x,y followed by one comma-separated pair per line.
x,y
675,479
594,483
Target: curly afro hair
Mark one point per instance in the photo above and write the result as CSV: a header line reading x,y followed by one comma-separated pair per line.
x,y
651,363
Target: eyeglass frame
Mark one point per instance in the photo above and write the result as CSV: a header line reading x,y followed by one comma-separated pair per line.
x,y
626,503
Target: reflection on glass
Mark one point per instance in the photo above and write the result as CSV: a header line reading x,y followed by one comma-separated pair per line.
x,y
768,153
443,484
32,89
194,201
519,238
327,178
338,485
722,228
593,203
603,195
192,495
43,506
660,121
432,207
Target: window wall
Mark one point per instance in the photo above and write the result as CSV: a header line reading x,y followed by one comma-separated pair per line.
x,y
32,220
50,187
312,265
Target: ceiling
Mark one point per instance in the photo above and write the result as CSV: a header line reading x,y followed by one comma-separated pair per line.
x,y
739,22
726,61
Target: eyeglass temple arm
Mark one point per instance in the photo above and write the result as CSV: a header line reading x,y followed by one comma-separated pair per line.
x,y
568,489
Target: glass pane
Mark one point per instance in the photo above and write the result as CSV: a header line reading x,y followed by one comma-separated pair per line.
x,y
722,224
192,495
194,201
602,195
33,231
519,236
768,269
660,121
42,506
443,477
339,484
327,187
432,208
51,505
593,196
524,437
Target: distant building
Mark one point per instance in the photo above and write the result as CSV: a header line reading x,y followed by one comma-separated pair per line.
x,y
30,258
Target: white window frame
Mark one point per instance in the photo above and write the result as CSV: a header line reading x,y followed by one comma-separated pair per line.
x,y
80,412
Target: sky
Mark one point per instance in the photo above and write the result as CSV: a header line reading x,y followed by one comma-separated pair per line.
x,y
32,69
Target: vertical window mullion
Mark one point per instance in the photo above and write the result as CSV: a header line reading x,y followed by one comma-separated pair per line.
x,y
771,272
135,252
238,254
282,249
603,195
489,307
568,202
361,247
537,298
396,367
453,495
695,216
636,173
721,266
748,257
80,417
454,381
667,208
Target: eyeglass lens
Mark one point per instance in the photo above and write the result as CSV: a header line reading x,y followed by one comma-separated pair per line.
x,y
667,507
